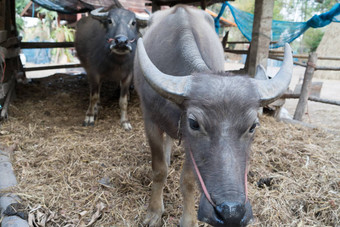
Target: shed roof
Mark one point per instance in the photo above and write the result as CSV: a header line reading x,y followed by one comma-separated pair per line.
x,y
79,6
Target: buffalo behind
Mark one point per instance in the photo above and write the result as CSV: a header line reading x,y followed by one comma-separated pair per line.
x,y
105,44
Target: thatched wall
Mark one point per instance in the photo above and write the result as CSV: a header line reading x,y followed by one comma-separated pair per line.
x,y
329,46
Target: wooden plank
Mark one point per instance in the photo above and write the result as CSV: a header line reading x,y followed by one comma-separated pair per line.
x,y
37,68
327,68
236,51
33,45
281,59
307,81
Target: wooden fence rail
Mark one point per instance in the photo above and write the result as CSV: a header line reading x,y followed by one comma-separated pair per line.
x,y
33,45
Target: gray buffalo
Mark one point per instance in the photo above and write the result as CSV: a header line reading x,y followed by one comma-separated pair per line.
x,y
105,44
185,94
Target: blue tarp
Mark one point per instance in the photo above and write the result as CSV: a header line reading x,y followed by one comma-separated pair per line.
x,y
64,6
284,31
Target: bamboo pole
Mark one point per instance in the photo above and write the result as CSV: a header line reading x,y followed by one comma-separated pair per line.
x,y
307,81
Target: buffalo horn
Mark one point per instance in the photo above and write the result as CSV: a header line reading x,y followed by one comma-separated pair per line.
x,y
174,88
271,90
99,15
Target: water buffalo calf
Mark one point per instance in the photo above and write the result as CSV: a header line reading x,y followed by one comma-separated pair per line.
x,y
105,44
185,93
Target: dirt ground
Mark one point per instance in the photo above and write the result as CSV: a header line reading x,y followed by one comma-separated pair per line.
x,y
70,175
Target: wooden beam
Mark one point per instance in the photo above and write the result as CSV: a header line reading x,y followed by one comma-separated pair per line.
x,y
278,53
37,68
32,45
236,51
327,68
311,98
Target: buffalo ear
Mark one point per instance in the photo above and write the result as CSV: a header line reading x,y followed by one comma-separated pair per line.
x,y
261,73
142,21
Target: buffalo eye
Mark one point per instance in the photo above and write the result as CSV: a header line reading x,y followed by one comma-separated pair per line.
x,y
194,124
133,23
109,21
252,128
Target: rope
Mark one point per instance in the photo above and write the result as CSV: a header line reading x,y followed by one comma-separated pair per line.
x,y
204,188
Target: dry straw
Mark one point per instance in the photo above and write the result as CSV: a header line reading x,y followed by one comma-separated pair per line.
x,y
71,175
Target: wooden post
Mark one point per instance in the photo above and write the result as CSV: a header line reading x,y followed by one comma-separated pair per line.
x,y
307,81
225,39
203,4
262,25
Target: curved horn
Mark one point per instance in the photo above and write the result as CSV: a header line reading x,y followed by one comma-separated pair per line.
x,y
174,88
99,15
270,90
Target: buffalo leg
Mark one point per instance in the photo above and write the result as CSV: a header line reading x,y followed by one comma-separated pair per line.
x,y
123,103
92,111
160,172
188,218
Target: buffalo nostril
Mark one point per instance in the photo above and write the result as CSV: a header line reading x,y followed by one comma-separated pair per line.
x,y
231,212
121,40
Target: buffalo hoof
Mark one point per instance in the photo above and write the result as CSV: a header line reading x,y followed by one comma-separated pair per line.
x,y
153,219
89,121
126,125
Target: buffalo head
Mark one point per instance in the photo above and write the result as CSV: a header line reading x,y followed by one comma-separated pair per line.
x,y
218,122
121,29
